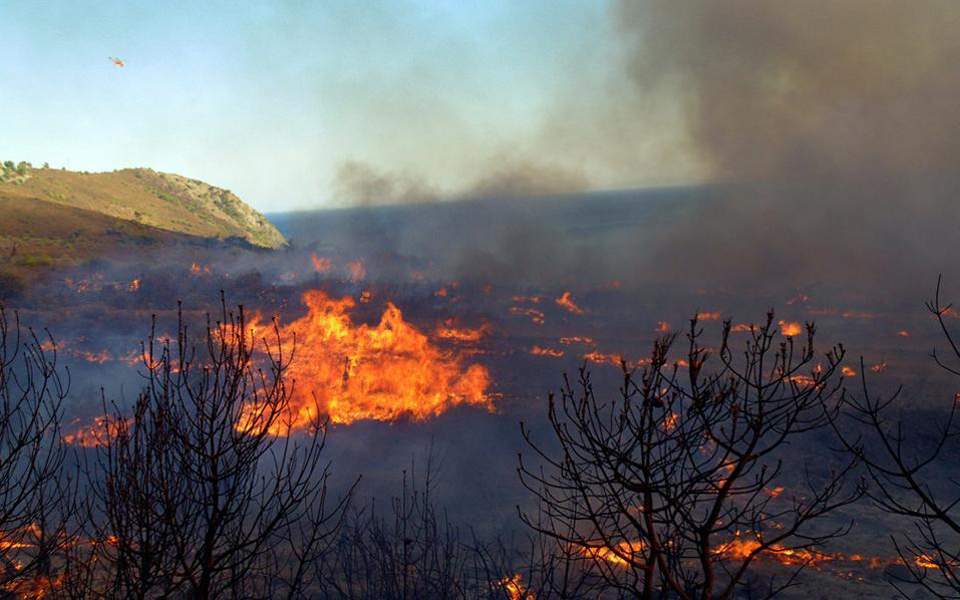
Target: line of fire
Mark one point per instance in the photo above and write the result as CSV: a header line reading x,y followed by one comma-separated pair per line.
x,y
526,441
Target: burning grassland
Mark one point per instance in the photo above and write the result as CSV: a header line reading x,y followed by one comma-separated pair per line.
x,y
398,361
386,371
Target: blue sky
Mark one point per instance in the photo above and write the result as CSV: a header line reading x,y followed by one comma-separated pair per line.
x,y
269,99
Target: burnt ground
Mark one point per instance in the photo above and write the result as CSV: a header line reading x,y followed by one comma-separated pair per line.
x,y
100,311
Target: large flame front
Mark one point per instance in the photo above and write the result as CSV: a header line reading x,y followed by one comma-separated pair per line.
x,y
351,372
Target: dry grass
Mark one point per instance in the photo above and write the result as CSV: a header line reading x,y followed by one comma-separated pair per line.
x,y
158,200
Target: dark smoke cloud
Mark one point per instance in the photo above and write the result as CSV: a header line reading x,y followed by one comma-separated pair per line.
x,y
782,90
528,179
840,117
827,133
361,184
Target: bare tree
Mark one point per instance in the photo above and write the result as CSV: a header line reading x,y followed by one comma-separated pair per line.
x,y
909,473
204,490
532,566
412,550
34,494
675,487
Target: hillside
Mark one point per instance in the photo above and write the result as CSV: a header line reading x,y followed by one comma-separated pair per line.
x,y
155,200
52,218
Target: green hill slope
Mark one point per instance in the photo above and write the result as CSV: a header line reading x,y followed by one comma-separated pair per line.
x,y
160,201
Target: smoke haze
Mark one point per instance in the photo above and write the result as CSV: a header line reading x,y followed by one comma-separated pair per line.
x,y
826,132
836,120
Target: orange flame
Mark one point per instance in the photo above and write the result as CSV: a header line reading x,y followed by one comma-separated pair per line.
x,y
545,351
98,357
97,434
619,555
739,548
320,264
790,328
596,356
196,269
576,339
803,380
357,270
670,421
515,589
566,302
384,372
448,331
709,316
535,315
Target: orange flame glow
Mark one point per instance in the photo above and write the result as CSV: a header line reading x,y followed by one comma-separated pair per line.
x,y
535,315
515,589
546,351
99,357
803,380
596,356
566,302
95,435
740,548
790,328
620,555
320,264
925,561
197,269
448,331
358,271
670,421
384,372
576,339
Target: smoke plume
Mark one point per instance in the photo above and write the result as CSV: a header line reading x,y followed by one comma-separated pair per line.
x,y
836,121
361,184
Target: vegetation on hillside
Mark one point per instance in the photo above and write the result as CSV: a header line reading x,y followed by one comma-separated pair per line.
x,y
160,200
55,218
